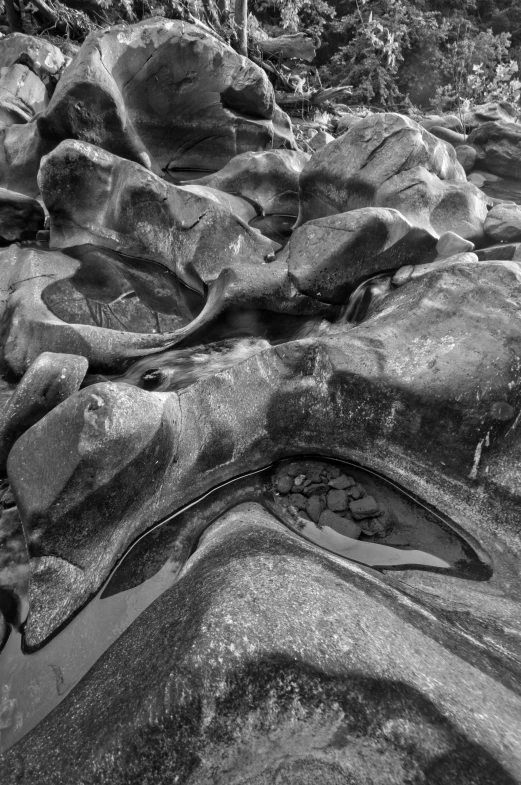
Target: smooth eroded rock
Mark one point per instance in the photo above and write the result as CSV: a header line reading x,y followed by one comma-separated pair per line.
x,y
503,223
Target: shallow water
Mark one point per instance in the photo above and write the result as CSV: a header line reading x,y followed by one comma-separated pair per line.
x,y
33,684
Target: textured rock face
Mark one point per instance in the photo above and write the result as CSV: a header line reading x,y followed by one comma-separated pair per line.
x,y
429,345
126,209
498,147
42,57
208,104
22,95
390,161
327,258
20,216
316,675
503,223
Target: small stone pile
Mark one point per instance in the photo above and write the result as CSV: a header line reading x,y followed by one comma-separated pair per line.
x,y
320,492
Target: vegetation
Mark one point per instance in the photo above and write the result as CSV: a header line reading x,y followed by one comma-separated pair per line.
x,y
393,53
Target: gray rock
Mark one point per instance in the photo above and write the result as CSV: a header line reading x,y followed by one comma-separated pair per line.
x,y
264,630
506,252
337,500
314,508
20,216
390,161
442,121
498,147
4,631
493,111
451,244
43,58
366,507
466,155
345,526
503,223
441,326
49,380
448,135
342,482
23,95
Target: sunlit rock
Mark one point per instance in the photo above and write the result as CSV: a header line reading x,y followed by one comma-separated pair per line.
x,y
39,54
22,95
390,161
498,147
503,223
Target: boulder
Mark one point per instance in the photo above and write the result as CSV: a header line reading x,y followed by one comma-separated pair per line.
x,y
21,150
389,160
451,244
491,112
20,216
448,135
269,643
4,631
208,104
49,380
99,200
498,148
507,252
268,180
503,223
39,54
450,121
412,392
23,95
346,122
466,155
319,140
329,257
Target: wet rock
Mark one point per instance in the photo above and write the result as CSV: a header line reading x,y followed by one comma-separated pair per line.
x,y
21,150
284,483
337,500
49,380
39,54
366,507
329,656
208,105
503,223
22,95
328,257
269,180
320,139
498,147
344,526
390,161
466,155
348,393
506,252
298,500
451,244
20,216
342,482
316,488
314,508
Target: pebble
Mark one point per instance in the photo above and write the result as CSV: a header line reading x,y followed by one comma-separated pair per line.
x,y
337,500
342,482
316,488
284,483
344,526
298,500
314,507
367,507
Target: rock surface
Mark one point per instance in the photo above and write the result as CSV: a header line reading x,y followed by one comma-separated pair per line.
x,y
39,54
503,223
230,688
20,216
22,95
390,161
498,147
209,105
347,394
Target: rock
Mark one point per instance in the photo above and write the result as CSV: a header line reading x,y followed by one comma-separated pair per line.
x,y
192,235
390,161
494,111
4,631
498,147
466,155
314,508
316,488
269,180
346,393
346,122
320,139
450,121
342,482
344,526
22,95
450,244
328,257
505,252
209,105
298,500
284,483
366,507
20,216
503,223
21,150
448,135
39,54
49,380
264,629
337,500
402,275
